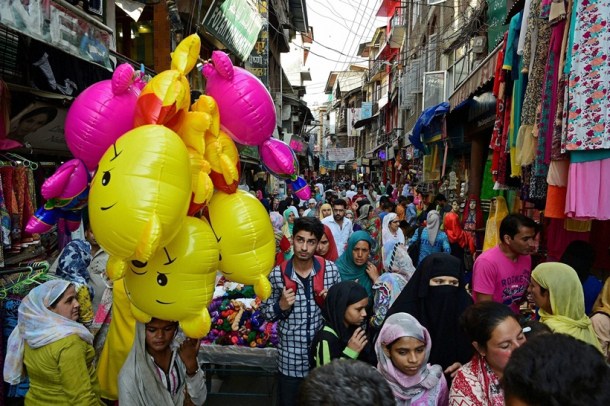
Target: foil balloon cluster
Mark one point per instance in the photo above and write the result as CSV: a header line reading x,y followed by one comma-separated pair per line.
x,y
151,180
247,115
97,117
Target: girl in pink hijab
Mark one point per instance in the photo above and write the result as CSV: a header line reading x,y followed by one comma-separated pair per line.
x,y
403,348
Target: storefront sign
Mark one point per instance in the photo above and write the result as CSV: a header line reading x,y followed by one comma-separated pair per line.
x,y
258,61
54,24
367,110
353,115
339,154
496,14
235,23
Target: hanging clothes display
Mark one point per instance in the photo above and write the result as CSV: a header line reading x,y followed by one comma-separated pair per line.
x,y
588,119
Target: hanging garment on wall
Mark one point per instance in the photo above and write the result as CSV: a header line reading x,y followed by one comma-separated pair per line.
x,y
589,190
588,120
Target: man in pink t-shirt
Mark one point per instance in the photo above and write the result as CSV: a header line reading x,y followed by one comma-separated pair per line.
x,y
502,273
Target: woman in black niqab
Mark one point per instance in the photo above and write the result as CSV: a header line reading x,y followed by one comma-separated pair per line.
x,y
438,308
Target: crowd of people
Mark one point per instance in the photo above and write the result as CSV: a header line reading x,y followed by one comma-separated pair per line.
x,y
407,293
376,302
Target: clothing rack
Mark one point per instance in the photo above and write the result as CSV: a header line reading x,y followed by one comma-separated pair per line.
x,y
16,159
19,280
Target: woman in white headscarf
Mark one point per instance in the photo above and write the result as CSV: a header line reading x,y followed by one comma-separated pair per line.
x,y
403,348
54,347
159,370
391,230
431,238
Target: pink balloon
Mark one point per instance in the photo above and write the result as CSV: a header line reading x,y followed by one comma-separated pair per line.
x,y
69,180
66,191
247,112
301,188
101,114
279,159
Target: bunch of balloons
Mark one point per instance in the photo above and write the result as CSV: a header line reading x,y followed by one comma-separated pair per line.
x,y
248,115
159,159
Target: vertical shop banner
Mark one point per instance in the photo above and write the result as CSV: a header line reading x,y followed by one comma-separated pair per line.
x,y
353,115
258,61
56,25
496,14
235,23
366,110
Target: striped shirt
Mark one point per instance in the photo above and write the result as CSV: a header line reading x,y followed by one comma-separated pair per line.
x,y
298,325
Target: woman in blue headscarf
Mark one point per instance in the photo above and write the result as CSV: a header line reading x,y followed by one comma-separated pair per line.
x,y
290,214
354,264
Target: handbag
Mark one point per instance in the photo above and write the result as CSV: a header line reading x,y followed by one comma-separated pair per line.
x,y
413,249
468,260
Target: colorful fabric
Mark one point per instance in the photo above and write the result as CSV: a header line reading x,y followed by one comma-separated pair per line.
x,y
455,233
567,302
331,254
399,269
38,326
118,343
589,190
588,118
504,279
476,385
492,230
428,386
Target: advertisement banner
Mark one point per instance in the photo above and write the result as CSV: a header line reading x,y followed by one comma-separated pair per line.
x,y
53,24
353,115
367,110
496,14
258,61
340,154
235,23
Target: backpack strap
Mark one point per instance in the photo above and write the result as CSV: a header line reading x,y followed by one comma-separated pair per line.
x,y
318,279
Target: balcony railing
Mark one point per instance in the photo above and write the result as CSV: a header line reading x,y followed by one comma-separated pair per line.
x,y
398,28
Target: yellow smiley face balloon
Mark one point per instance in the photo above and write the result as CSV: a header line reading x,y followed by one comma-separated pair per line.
x,y
177,283
139,195
245,238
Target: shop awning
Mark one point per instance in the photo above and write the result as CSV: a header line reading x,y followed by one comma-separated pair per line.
x,y
477,79
365,121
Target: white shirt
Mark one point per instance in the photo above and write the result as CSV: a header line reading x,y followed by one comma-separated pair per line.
x,y
350,194
340,233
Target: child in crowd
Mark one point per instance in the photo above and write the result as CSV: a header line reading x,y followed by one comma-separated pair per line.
x,y
343,334
403,348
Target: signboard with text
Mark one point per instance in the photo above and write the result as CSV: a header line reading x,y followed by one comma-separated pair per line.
x,y
496,14
258,61
53,24
340,154
235,23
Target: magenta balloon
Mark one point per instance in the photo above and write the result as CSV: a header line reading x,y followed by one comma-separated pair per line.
x,y
68,181
279,159
101,114
247,112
